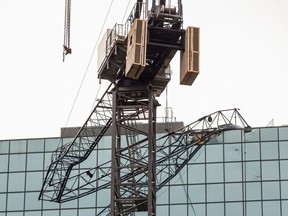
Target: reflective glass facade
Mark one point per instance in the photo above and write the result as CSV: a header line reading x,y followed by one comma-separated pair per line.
x,y
235,174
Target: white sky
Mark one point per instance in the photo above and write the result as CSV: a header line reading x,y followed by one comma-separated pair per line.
x,y
244,63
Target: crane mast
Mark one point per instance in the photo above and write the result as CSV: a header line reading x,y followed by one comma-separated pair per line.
x,y
135,59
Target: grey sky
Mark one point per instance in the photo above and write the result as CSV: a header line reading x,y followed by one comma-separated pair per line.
x,y
243,62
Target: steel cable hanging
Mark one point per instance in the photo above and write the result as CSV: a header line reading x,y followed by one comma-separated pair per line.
x,y
66,46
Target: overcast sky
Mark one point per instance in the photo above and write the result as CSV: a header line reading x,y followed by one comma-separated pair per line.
x,y
243,63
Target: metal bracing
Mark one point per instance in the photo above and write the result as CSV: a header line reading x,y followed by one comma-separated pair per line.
x,y
132,193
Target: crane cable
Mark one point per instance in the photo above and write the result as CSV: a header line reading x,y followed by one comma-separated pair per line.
x,y
88,65
66,46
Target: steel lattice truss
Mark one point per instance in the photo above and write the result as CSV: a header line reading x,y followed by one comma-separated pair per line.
x,y
173,152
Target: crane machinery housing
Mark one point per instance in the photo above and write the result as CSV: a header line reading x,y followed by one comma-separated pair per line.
x,y
135,58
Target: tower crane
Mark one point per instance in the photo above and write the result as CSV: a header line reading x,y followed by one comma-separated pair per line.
x,y
135,60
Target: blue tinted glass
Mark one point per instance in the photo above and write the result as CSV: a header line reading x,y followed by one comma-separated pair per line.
x,y
162,210
3,163
178,194
214,172
83,212
253,191
285,207
284,189
178,210
232,136
103,197
283,133
271,190
31,201
283,150
15,201
51,213
18,146
252,136
233,172
3,184
251,151
35,161
269,134
16,182
196,173
36,145
215,209
52,144
197,209
196,193
269,150
232,152
4,147
215,192
254,208
271,208
32,213
214,153
162,195
17,162
270,170
88,201
235,209
3,202
34,181
252,171
199,157
233,192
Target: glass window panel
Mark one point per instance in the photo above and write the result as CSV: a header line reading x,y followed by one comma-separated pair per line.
x,y
252,136
14,214
51,213
162,196
178,194
215,192
283,150
35,161
271,190
50,205
36,145
3,202
3,182
196,193
47,158
214,153
214,172
283,133
181,178
235,209
17,162
251,151
253,191
285,207
232,152
52,144
68,212
284,170
15,201
4,147
284,189
88,201
87,212
252,171
270,170
215,209
199,157
3,163
196,210
32,213
233,192
34,181
271,208
162,210
18,146
269,150
104,156
196,173
232,136
254,209
103,198
31,201
178,210
269,134
233,172
74,203
16,182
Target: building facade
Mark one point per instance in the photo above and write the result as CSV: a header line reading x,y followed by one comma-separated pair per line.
x,y
235,174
